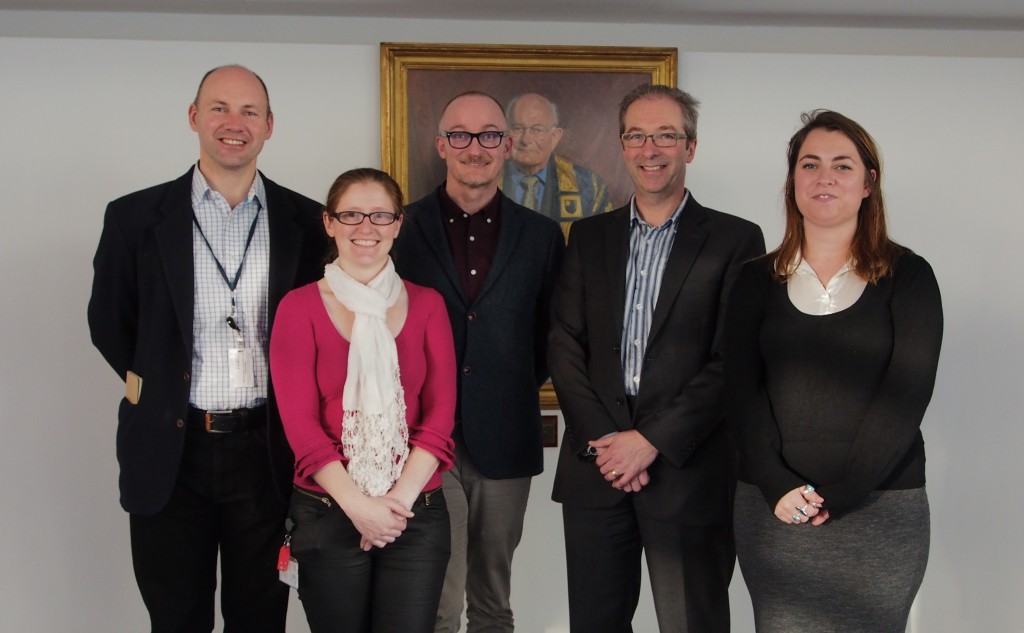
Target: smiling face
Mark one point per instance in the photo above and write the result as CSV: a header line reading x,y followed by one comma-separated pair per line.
x,y
473,167
232,117
658,173
363,248
830,181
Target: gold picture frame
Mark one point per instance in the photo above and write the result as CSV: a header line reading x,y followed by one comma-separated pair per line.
x,y
585,82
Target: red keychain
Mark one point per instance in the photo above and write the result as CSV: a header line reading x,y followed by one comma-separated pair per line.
x,y
285,554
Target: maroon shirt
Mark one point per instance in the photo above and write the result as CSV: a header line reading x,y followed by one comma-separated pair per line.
x,y
473,238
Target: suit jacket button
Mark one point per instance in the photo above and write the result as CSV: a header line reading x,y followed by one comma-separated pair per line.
x,y
467,370
180,423
471,316
188,376
620,401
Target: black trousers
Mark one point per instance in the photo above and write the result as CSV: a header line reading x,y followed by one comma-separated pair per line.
x,y
690,569
224,502
394,589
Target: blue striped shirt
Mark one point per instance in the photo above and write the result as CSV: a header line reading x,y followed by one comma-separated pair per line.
x,y
649,248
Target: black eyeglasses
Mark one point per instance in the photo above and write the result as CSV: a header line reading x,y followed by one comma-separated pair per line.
x,y
661,139
488,139
380,218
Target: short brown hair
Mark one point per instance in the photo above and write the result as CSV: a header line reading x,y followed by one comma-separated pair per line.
x,y
687,103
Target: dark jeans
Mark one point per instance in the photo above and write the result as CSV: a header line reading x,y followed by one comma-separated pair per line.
x,y
223,501
394,589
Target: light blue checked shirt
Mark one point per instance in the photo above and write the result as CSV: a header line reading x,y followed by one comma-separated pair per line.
x,y
649,249
227,230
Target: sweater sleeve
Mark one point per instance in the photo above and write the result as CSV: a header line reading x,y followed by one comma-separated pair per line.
x,y
749,408
893,419
293,362
433,430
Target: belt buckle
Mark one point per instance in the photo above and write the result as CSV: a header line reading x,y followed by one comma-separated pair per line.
x,y
208,419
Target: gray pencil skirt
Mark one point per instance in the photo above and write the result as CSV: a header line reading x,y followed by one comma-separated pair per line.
x,y
857,573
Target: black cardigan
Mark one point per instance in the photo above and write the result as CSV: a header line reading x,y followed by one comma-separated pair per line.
x,y
836,400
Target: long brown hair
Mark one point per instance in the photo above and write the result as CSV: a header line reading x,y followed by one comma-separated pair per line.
x,y
874,254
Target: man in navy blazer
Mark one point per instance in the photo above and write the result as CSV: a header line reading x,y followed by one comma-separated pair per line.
x,y
495,263
188,275
636,359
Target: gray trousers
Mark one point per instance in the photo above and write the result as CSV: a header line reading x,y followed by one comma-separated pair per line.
x,y
487,524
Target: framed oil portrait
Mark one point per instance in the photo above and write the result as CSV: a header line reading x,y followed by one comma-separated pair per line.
x,y
583,86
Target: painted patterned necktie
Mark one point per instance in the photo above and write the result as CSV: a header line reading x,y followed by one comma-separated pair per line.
x,y
530,195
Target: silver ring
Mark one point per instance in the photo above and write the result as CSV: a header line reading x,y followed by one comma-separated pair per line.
x,y
803,510
807,488
796,518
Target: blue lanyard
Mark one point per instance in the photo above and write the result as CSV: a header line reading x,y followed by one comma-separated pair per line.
x,y
231,283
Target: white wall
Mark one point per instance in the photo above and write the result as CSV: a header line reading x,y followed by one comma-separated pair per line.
x,y
85,120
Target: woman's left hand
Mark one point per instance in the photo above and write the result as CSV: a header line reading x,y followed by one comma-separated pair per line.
x,y
801,505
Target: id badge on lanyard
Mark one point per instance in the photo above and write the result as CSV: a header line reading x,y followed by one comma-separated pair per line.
x,y
241,374
240,360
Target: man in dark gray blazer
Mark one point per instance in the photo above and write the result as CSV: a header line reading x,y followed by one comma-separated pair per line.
x,y
636,359
188,275
495,263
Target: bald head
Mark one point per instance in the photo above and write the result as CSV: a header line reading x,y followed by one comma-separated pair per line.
x,y
535,132
234,68
473,171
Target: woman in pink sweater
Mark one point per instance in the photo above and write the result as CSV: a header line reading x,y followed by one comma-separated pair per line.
x,y
364,371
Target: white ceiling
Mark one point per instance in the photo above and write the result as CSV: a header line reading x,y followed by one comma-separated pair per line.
x,y
996,15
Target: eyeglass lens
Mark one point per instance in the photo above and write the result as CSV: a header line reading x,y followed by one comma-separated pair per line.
x,y
662,139
488,139
380,218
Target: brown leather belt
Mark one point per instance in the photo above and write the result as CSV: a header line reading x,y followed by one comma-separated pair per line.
x,y
229,421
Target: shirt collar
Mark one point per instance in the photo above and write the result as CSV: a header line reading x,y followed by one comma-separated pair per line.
x,y
451,210
799,266
516,177
201,189
636,220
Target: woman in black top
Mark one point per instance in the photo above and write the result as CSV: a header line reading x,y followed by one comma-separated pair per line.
x,y
832,347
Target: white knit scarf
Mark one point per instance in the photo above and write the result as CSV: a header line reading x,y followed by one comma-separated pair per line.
x,y
375,434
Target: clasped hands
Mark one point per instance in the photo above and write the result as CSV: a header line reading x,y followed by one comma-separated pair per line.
x,y
380,520
623,459
802,505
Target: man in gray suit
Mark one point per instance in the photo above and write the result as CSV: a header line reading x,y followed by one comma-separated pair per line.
x,y
636,357
495,263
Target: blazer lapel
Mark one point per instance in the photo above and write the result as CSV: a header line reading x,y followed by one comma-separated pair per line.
x,y
617,250
285,246
433,231
174,240
690,237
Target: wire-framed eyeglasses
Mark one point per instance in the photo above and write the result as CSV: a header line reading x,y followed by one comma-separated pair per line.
x,y
535,130
661,139
379,218
488,139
